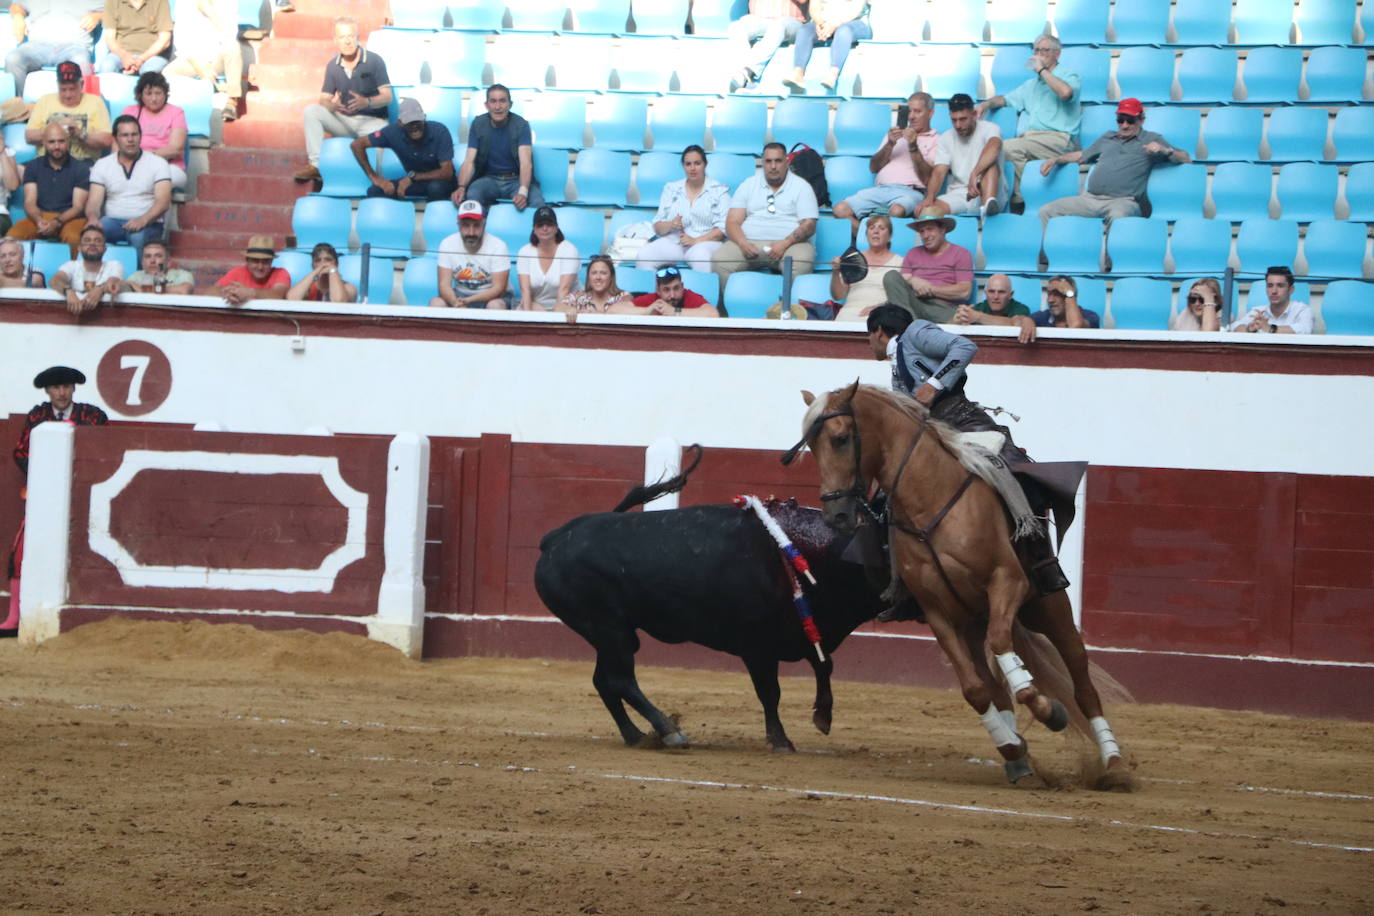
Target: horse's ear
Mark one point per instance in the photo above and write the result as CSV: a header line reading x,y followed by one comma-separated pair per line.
x,y
808,397
851,391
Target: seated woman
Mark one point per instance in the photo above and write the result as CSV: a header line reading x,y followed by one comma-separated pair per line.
x,y
841,22
547,266
1202,311
861,297
323,283
163,124
600,292
690,221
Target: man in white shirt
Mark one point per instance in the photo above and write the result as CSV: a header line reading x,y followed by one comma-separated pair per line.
x,y
88,279
1282,315
771,217
970,155
474,268
133,188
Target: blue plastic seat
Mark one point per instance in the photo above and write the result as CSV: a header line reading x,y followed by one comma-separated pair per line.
x,y
847,175
1241,190
1073,244
832,238
1092,294
387,225
196,98
551,169
477,15
639,65
117,89
442,104
538,15
897,21
1037,189
582,63
956,22
1097,120
1326,22
317,218
660,17
1263,22
438,222
558,119
1136,245
656,169
749,294
732,169
1348,307
965,234
1180,126
1359,191
420,280
585,228
47,257
860,127
510,225
699,65
1208,76
605,17
1297,134
1307,191
1272,75
634,280
800,120
1140,23
1335,248
1016,21
1141,304
1009,67
1081,22
1177,191
1233,134
1335,74
457,59
39,83
677,122
1011,243
125,254
1202,22
739,125
296,264
403,50
948,69
1200,246
709,17
811,288
380,275
419,14
886,71
1262,242
602,177
519,61
1145,73
702,282
618,122
1094,68
1353,132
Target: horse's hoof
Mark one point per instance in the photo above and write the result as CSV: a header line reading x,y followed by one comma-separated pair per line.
x,y
1117,777
1059,718
1018,769
821,721
676,739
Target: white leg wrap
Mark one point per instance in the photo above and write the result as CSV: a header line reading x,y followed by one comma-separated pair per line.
x,y
1106,741
1002,732
1016,674
1009,717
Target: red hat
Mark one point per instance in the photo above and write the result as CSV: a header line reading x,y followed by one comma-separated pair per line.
x,y
69,72
1130,107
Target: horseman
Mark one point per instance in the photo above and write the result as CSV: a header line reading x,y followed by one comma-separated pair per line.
x,y
931,365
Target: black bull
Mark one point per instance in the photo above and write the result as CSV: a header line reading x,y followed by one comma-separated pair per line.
x,y
705,574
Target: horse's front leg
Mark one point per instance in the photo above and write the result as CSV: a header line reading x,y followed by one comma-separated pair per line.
x,y
825,700
1007,591
1000,716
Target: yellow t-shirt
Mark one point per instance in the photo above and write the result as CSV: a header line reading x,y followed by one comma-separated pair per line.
x,y
91,114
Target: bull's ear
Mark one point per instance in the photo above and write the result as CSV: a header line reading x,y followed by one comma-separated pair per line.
x,y
808,397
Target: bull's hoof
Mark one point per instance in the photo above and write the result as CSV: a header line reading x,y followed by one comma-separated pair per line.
x,y
1059,718
821,719
1018,769
676,739
788,748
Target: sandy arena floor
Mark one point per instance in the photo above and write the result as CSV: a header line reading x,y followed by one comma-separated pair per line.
x,y
188,768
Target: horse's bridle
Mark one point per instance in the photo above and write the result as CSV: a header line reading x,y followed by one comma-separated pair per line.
x,y
857,488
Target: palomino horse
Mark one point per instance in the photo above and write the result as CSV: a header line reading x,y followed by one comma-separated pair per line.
x,y
952,547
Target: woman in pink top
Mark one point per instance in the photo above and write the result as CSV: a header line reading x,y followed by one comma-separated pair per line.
x,y
163,124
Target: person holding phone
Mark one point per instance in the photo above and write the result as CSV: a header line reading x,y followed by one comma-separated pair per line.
x,y
354,99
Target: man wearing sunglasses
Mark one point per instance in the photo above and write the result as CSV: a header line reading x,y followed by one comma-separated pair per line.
x,y
1124,160
670,297
771,216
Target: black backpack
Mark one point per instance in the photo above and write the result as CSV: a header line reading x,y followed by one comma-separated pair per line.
x,y
807,163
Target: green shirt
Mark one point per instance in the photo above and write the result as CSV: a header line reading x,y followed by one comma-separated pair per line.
x,y
1014,309
1041,109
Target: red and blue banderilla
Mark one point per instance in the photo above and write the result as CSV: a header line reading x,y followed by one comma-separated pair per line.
x,y
796,564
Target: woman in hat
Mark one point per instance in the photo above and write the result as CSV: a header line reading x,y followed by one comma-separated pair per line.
x,y
600,292
547,266
163,124
690,222
856,277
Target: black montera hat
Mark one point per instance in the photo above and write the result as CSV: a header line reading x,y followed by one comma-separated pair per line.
x,y
853,265
59,375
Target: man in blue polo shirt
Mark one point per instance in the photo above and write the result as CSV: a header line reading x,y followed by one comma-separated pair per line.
x,y
500,161
354,100
424,148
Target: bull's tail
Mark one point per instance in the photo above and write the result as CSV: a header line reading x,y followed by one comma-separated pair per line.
x,y
649,492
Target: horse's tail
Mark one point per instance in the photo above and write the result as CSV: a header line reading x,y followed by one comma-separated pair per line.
x,y
649,492
1052,678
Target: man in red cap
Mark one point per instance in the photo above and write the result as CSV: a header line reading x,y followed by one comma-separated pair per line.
x,y
1124,159
84,116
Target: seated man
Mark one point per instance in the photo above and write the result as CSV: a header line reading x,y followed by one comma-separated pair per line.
x,y
157,275
1062,309
13,273
90,278
499,163
424,148
970,155
84,116
1282,315
1049,107
138,35
1127,155
767,25
936,276
901,166
55,32
771,216
353,100
255,278
474,266
669,297
208,45
998,308
132,188
55,191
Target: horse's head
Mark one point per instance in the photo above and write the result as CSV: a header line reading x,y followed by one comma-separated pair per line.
x,y
829,430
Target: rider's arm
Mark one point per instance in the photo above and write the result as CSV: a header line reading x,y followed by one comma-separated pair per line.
x,y
943,356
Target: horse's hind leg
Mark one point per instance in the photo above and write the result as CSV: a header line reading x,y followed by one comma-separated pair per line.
x,y
999,718
1007,590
